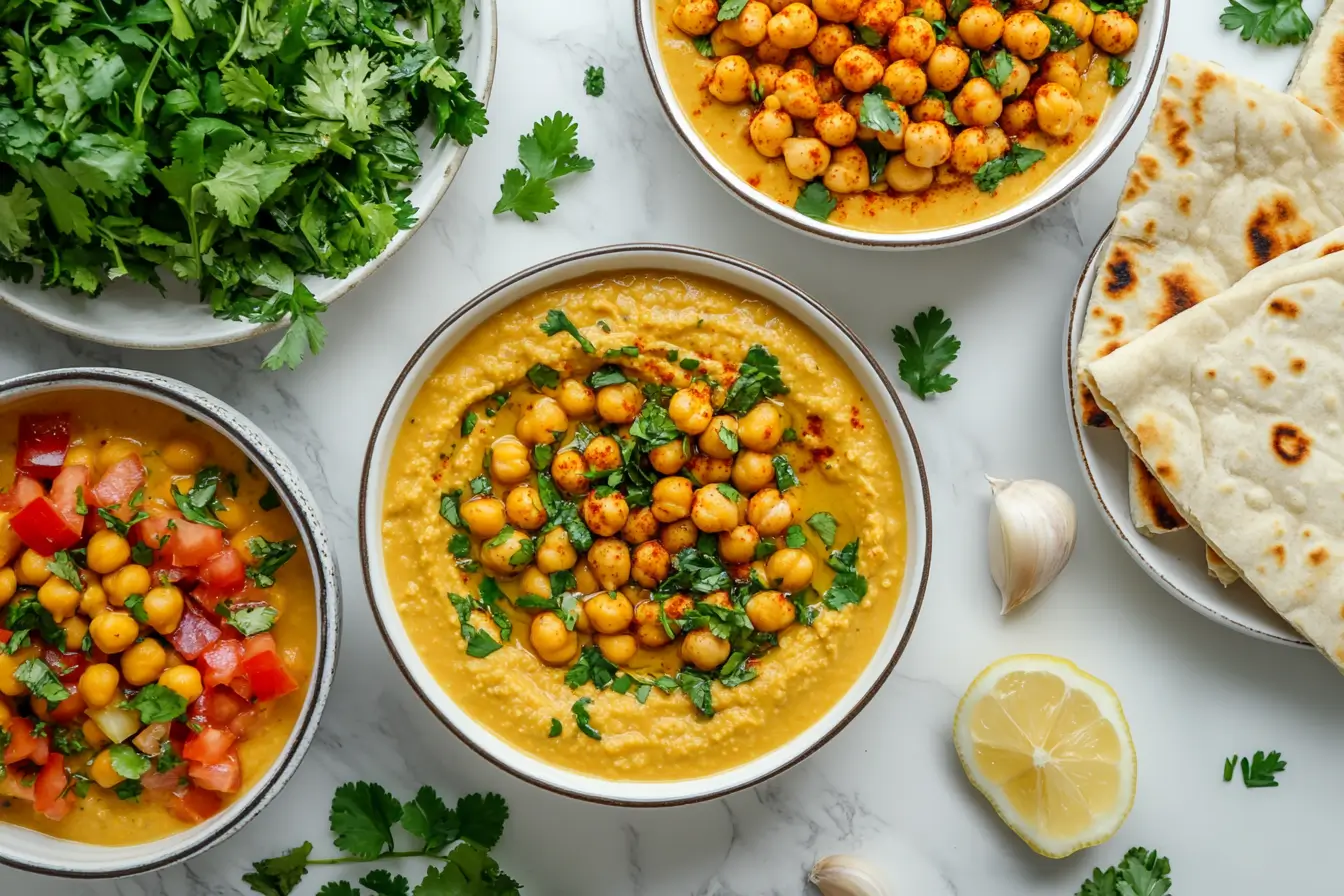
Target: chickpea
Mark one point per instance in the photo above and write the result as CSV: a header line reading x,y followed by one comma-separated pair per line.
x,y
829,89
752,471
107,552
730,82
690,408
142,662
98,684
980,27
569,470
163,608
235,514
928,109
183,679
81,456
609,559
640,526
9,685
713,511
75,629
721,42
751,25
1059,68
907,81
1019,118
555,552
672,498
9,584
603,453
696,17
102,772
1057,111
881,15
769,54
792,27
704,650
712,441
584,578
510,461
130,579
32,568
903,177
859,68
797,94
970,150
738,544
59,598
554,644
678,536
978,104
609,612
848,171
668,459
1076,15
789,569
649,629
650,564
577,399
524,509
183,456
761,428
771,611
767,77
484,515
830,42
1025,35
540,423
618,649
772,512
1017,81
838,10
894,140
115,450
930,10
1115,32
620,403
605,514
912,38
996,142
534,581
709,470
499,558
948,67
834,125
927,144
768,130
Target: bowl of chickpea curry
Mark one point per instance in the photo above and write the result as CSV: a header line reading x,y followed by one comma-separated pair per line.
x,y
167,621
902,123
644,525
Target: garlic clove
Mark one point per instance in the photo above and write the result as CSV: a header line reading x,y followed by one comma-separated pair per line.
x,y
1032,528
848,876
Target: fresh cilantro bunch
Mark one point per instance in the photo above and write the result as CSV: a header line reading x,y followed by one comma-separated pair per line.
x,y
236,144
363,817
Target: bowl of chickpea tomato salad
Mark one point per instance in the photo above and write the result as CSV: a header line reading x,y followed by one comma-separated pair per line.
x,y
644,525
168,621
902,123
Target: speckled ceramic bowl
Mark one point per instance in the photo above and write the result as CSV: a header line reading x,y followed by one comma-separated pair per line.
x,y
675,260
133,315
32,851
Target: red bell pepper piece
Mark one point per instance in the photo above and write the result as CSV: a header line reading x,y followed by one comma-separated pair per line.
x,y
41,527
43,441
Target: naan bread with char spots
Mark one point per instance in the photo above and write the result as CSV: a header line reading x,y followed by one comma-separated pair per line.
x,y
1237,407
1232,176
1319,79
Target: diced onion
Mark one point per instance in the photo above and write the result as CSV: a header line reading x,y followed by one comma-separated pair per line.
x,y
118,724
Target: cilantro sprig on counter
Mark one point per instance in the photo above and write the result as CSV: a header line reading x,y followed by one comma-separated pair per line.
x,y
1256,771
595,80
1270,22
364,820
1141,872
927,352
551,151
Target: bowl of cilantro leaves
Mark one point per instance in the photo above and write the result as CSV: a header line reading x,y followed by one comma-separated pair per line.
x,y
183,174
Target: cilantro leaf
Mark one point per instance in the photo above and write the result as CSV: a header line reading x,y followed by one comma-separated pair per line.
x,y
40,681
595,80
62,566
1260,769
1016,160
1062,35
758,378
269,557
428,818
548,153
557,321
824,525
482,817
927,352
848,587
362,815
127,762
543,376
1117,72
248,621
157,703
815,201
280,875
875,112
1271,22
582,720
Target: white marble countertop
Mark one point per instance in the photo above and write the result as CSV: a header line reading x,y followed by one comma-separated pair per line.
x,y
889,786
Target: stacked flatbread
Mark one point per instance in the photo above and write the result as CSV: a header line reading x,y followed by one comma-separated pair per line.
x,y
1319,79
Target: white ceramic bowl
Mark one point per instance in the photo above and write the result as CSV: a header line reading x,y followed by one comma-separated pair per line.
x,y
133,315
675,260
1115,123
32,851
1175,560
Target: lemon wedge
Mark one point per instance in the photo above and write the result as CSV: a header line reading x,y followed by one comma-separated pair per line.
x,y
1048,746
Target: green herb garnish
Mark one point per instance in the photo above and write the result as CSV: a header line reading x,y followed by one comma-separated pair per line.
x,y
549,152
927,352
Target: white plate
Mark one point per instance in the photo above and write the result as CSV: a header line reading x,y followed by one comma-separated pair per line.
x,y
1176,560
675,260
134,315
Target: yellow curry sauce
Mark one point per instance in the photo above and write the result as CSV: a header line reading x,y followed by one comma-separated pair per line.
x,y
843,458
952,200
111,425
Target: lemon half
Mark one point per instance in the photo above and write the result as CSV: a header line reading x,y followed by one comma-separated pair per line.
x,y
1048,746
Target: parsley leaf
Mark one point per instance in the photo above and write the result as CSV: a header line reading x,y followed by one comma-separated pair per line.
x,y
1260,769
549,152
927,352
448,508
557,321
704,46
1272,22
815,201
594,80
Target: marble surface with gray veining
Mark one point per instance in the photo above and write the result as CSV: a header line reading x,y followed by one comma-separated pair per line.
x,y
889,786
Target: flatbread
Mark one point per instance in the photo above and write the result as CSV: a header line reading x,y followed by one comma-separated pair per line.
x,y
1219,568
1237,406
1319,79
1232,175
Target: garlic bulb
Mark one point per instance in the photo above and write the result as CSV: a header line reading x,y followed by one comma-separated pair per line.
x,y
848,876
1032,526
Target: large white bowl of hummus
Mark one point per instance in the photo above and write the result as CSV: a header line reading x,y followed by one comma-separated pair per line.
x,y
661,725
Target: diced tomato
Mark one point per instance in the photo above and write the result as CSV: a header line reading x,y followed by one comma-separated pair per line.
x,y
219,663
118,485
259,644
242,687
194,805
65,494
12,785
222,706
23,745
224,776
244,722
157,532
194,633
5,635
68,666
162,780
268,676
43,442
150,739
41,527
223,573
62,713
209,745
23,492
161,572
50,784
194,543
